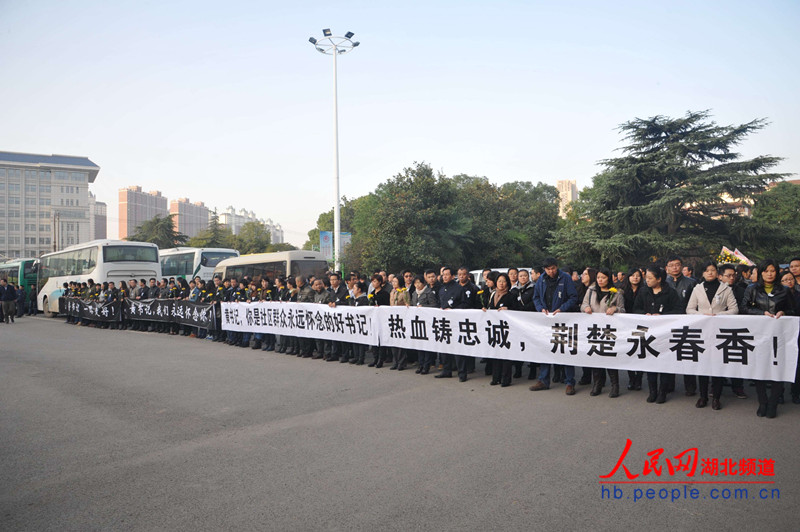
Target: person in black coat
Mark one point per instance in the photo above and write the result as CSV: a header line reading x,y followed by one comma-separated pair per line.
x,y
524,298
767,297
359,299
653,300
630,288
452,295
502,299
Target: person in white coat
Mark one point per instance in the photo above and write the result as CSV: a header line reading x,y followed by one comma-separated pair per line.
x,y
711,297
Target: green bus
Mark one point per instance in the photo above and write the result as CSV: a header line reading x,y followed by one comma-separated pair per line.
x,y
19,271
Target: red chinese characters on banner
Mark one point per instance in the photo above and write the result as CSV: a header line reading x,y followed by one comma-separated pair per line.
x,y
687,462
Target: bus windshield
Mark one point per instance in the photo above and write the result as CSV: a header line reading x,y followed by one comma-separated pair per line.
x,y
209,259
130,254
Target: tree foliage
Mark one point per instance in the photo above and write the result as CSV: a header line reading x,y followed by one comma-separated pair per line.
x,y
253,237
159,230
673,190
421,218
215,236
778,211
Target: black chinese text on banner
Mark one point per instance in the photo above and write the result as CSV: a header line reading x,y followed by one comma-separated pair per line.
x,y
306,320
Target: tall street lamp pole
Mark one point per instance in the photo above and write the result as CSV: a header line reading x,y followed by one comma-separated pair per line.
x,y
329,44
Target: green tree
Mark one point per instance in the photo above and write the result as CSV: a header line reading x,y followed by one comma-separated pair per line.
x,y
778,211
670,192
253,237
160,231
215,236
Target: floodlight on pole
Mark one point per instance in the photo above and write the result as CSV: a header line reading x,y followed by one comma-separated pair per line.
x,y
335,46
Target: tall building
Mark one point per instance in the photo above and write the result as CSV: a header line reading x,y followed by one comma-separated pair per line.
x,y
235,220
567,192
98,219
190,218
136,207
44,202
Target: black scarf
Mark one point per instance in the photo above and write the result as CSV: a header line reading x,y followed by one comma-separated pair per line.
x,y
711,289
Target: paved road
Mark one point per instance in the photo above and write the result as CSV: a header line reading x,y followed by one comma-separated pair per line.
x,y
123,430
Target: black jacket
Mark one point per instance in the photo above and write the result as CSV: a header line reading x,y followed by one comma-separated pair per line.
x,y
470,291
757,301
451,295
665,302
524,297
508,301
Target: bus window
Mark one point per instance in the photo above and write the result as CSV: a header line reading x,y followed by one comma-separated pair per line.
x,y
130,254
305,268
209,259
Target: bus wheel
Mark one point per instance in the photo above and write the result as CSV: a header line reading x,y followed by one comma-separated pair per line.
x,y
47,312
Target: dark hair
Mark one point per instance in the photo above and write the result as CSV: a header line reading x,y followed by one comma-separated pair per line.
x,y
706,263
497,278
486,270
658,272
404,272
448,268
607,273
377,277
362,286
523,270
463,268
182,282
549,261
538,269
420,279
671,258
721,270
783,272
513,268
592,275
794,259
691,268
334,274
401,282
763,265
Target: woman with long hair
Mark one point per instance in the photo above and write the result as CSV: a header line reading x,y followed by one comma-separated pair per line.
x,y
711,297
588,278
603,298
399,297
630,289
423,296
502,299
767,297
654,299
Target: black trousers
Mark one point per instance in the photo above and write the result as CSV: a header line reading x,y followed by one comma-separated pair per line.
x,y
654,378
776,391
716,387
501,370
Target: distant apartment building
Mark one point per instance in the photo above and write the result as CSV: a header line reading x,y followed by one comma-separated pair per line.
x,y
567,192
98,219
136,207
236,219
44,202
190,218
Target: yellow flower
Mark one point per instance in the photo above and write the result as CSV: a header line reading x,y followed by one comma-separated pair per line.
x,y
369,296
612,290
480,292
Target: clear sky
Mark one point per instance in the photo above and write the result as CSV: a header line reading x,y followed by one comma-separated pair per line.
x,y
228,103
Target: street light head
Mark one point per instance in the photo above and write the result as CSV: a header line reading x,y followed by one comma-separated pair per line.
x,y
327,32
312,40
356,44
320,49
349,34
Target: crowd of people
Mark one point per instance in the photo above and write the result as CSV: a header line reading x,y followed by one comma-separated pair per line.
x,y
15,301
765,290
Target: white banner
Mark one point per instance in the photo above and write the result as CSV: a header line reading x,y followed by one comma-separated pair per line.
x,y
753,347
306,320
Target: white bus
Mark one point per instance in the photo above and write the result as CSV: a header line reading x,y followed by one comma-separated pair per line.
x,y
191,262
100,260
273,265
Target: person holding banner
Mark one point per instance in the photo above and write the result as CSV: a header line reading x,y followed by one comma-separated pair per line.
x,y
554,292
603,298
502,299
452,295
711,297
359,299
767,297
399,297
423,296
654,299
683,288
630,288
